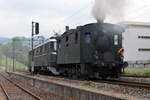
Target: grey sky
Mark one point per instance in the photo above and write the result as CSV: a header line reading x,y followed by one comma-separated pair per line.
x,y
16,15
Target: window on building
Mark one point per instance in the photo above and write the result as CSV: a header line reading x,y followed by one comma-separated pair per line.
x,y
87,37
144,49
144,37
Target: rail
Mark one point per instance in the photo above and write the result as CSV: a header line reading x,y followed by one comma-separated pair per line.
x,y
126,83
20,87
4,91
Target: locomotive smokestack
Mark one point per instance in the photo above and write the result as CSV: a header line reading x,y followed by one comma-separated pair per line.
x,y
67,28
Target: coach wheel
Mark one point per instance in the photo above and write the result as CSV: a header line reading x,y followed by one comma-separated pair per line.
x,y
29,70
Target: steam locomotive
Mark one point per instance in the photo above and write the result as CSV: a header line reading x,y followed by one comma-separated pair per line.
x,y
92,50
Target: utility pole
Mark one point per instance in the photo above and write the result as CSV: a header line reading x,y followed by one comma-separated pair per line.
x,y
32,36
13,55
6,66
1,60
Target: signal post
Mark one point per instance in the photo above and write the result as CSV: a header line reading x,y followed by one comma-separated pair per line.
x,y
35,31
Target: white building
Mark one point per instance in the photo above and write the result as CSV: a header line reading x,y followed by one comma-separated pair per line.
x,y
136,42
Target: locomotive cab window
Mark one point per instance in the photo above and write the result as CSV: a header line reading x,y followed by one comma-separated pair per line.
x,y
41,49
87,37
67,41
76,38
116,39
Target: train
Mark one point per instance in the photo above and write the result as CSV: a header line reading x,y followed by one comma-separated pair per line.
x,y
92,50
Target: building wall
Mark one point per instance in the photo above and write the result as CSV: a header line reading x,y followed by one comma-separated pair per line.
x,y
132,43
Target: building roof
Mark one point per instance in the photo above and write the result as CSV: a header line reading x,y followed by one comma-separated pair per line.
x,y
134,24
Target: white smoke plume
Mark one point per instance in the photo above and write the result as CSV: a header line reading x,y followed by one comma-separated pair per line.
x,y
113,9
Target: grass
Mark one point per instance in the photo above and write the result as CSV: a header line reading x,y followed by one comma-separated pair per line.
x,y
138,71
18,65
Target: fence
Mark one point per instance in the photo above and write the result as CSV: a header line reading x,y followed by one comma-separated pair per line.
x,y
140,63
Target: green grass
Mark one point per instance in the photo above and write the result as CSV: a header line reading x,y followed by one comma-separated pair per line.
x,y
10,63
138,71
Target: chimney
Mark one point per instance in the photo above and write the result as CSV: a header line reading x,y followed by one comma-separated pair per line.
x,y
67,28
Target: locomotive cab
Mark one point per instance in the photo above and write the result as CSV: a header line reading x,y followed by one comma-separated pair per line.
x,y
91,50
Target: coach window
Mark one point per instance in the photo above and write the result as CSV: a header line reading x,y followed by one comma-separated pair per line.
x,y
67,41
59,44
35,52
55,46
41,49
51,45
88,37
45,48
76,38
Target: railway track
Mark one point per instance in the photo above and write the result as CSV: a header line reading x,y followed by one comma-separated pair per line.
x,y
14,91
113,82
126,83
135,76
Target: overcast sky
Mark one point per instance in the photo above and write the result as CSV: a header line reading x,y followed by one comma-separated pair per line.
x,y
16,15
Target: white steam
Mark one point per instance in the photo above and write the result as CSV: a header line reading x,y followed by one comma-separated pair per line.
x,y
113,9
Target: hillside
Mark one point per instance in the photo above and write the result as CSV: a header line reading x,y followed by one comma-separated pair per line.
x,y
17,49
18,65
4,40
